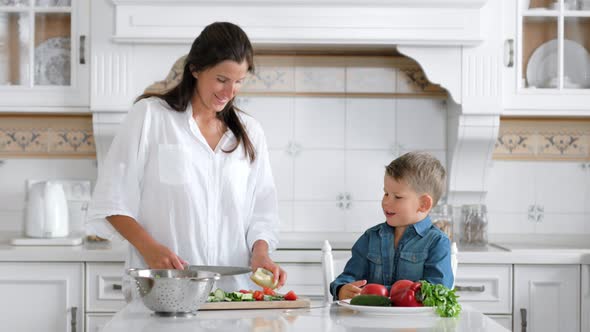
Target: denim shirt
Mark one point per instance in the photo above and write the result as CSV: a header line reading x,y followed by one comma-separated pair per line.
x,y
423,253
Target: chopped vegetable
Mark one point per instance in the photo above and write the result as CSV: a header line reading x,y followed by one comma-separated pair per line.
x,y
290,296
264,278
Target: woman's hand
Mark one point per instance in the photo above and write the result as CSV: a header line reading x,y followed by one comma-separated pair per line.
x,y
351,290
260,258
155,255
158,256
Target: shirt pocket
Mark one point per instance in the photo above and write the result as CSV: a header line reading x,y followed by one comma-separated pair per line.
x,y
173,163
411,265
375,268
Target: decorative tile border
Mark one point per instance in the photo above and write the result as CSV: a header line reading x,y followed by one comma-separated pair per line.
x,y
543,139
46,136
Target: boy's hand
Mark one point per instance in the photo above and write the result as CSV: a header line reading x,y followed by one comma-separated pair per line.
x,y
351,290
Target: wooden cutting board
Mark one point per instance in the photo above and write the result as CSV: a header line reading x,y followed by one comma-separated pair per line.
x,y
299,303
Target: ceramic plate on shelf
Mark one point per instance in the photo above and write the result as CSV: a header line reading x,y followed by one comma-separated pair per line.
x,y
542,68
52,62
388,310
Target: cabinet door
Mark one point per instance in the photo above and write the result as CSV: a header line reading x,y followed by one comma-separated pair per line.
x,y
96,322
43,54
42,297
547,298
547,57
585,298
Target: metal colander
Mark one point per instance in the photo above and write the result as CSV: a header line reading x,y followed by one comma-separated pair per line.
x,y
173,292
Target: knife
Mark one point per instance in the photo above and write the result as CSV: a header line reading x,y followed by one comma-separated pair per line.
x,y
222,270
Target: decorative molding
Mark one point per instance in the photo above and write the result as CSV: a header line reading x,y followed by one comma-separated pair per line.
x,y
111,83
46,136
420,22
441,66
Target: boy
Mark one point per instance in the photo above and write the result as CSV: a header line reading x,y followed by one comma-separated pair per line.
x,y
407,245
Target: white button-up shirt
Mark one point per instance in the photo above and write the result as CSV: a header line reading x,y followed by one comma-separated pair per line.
x,y
207,206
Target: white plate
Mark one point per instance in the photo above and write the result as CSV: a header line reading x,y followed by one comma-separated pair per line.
x,y
388,310
542,67
52,62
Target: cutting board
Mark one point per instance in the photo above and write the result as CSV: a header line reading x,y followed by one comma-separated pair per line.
x,y
299,303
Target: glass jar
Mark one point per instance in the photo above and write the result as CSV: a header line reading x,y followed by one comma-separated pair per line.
x,y
442,217
474,225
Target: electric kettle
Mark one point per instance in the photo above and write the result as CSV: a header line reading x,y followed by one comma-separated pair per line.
x,y
47,211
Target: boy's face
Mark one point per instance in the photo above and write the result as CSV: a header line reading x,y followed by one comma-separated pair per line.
x,y
401,205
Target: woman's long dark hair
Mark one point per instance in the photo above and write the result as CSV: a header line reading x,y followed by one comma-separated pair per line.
x,y
218,42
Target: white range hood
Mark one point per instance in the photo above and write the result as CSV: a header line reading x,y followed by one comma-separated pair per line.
x,y
457,43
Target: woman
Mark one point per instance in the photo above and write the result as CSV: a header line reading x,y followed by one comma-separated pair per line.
x,y
187,179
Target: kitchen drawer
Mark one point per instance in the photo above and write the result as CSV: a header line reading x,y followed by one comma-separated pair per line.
x,y
305,279
485,287
96,322
103,287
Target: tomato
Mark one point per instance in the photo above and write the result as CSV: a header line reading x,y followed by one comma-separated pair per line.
x,y
258,295
268,291
400,284
290,296
243,291
375,289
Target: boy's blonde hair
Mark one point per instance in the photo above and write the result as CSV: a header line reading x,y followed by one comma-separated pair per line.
x,y
421,171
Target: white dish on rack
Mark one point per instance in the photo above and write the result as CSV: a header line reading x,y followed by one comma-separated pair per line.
x,y
542,67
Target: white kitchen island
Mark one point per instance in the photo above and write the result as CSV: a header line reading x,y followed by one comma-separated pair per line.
x,y
320,317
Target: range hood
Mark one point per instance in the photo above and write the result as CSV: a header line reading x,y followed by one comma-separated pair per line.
x,y
456,42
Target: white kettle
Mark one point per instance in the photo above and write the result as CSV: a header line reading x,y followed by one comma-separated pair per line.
x,y
47,211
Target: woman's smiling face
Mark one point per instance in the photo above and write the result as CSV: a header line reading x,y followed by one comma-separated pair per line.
x,y
217,85
401,204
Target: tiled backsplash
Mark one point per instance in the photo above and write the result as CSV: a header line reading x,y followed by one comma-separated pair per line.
x,y
332,124
540,179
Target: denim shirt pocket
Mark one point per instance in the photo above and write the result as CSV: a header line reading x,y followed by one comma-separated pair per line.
x,y
375,268
411,265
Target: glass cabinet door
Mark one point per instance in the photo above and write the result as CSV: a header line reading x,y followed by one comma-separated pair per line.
x,y
35,43
555,48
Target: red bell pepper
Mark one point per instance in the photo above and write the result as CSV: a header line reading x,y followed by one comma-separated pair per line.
x,y
407,295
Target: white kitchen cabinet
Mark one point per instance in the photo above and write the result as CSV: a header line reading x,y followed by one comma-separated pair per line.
x,y
42,296
485,287
546,298
96,322
547,60
585,298
44,56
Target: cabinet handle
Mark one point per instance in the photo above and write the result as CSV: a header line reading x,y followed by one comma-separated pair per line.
x,y
74,320
82,49
479,289
117,287
509,53
523,319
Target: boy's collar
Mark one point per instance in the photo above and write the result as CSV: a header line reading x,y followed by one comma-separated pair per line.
x,y
422,226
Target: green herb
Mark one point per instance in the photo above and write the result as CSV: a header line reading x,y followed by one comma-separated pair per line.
x,y
441,297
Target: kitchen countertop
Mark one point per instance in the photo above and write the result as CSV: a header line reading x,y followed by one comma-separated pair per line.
x,y
320,317
508,250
